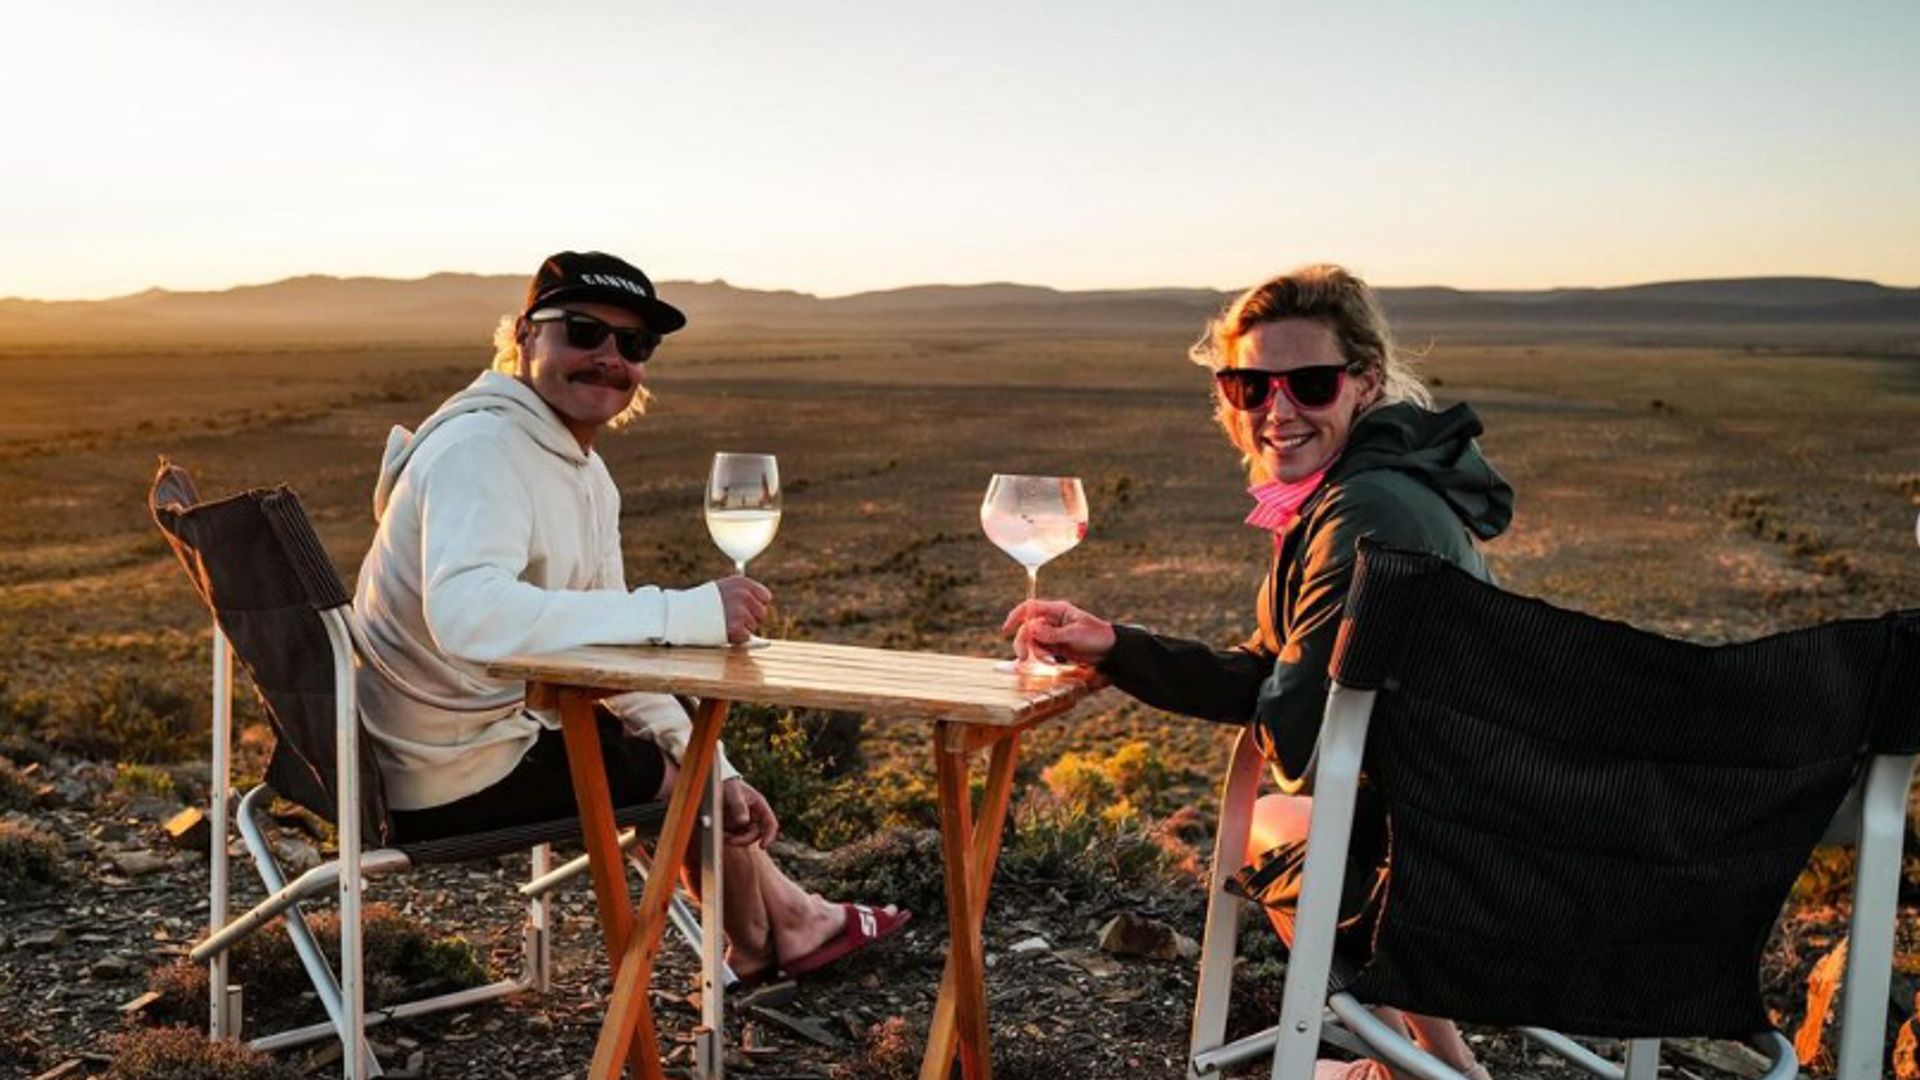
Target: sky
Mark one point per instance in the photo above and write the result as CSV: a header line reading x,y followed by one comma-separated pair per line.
x,y
837,147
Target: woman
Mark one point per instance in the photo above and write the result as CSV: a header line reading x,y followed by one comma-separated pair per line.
x,y
1340,441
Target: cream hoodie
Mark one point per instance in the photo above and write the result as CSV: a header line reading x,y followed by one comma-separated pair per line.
x,y
498,536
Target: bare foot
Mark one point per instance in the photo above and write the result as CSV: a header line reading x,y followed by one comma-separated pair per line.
x,y
821,921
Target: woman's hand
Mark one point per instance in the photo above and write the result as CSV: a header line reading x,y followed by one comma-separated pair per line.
x,y
1060,630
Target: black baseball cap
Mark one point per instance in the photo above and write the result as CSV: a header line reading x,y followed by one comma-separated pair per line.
x,y
595,276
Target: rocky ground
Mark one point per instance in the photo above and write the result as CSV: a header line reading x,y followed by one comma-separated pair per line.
x,y
78,957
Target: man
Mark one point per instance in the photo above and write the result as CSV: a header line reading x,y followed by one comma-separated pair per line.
x,y
499,534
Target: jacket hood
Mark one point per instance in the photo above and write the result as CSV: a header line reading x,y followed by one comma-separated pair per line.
x,y
492,392
1438,449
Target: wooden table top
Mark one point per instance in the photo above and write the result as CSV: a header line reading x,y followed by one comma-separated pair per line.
x,y
811,674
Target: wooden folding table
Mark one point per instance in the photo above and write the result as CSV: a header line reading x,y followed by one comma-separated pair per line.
x,y
973,707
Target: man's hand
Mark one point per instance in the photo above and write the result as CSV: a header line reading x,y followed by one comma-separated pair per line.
x,y
1060,630
745,817
745,602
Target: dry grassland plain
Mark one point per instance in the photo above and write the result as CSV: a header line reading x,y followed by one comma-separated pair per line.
x,y
1707,493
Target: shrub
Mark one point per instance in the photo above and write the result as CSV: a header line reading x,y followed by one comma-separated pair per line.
x,y
16,791
796,759
774,751
22,713
1119,786
182,986
892,866
134,779
179,1053
29,859
890,1050
125,715
1083,854
404,960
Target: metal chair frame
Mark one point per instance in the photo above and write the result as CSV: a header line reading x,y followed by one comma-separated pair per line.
x,y
1874,816
344,997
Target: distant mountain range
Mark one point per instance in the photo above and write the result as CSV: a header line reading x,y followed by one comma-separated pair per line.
x,y
450,307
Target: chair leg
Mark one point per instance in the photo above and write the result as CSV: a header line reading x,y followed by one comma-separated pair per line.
x,y
1220,942
1336,776
1865,986
538,970
222,1021
346,727
1389,1042
1643,1059
305,945
715,976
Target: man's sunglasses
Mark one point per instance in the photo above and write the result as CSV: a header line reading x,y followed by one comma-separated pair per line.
x,y
635,344
1251,389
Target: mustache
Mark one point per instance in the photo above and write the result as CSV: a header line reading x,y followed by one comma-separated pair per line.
x,y
596,377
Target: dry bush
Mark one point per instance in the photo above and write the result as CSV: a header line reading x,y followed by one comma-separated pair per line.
x,y
179,1053
892,866
800,762
1085,855
404,960
30,860
22,713
890,1051
125,715
1120,786
16,791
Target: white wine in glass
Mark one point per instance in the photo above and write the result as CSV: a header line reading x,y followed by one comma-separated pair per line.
x,y
1034,519
743,509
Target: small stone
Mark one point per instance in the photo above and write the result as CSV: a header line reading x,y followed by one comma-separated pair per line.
x,y
41,940
189,829
151,808
297,856
1026,946
136,863
1127,934
111,967
804,1026
1091,962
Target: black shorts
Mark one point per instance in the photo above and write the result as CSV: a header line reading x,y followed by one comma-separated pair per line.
x,y
540,788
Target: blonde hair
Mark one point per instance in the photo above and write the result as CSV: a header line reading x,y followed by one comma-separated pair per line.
x,y
1329,295
506,361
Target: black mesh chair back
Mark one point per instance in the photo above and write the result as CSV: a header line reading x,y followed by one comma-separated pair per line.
x,y
1592,827
260,569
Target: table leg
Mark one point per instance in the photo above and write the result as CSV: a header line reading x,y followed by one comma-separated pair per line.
x,y
971,850
581,731
627,1033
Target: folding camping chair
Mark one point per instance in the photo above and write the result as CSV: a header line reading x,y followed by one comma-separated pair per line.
x,y
1592,828
280,607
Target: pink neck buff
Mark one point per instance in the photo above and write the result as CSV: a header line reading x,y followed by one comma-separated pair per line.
x,y
1277,503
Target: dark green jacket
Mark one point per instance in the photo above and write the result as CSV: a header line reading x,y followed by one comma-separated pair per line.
x,y
1409,478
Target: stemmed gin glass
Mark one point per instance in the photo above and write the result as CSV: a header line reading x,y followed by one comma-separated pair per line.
x,y
1034,519
743,509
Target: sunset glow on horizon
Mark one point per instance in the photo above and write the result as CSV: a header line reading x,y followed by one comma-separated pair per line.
x,y
854,146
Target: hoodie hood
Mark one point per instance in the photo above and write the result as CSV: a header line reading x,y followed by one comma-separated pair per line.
x,y
492,392
1438,449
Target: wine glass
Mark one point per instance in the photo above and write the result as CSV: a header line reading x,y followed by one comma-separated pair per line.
x,y
1034,519
743,509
